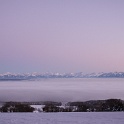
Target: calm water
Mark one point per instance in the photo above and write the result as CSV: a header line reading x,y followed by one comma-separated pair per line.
x,y
62,89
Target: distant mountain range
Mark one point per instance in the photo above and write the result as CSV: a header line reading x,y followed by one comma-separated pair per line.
x,y
31,76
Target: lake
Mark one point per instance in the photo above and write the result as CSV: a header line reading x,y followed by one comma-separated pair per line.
x,y
64,90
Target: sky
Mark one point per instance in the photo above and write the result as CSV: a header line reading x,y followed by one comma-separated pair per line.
x,y
61,36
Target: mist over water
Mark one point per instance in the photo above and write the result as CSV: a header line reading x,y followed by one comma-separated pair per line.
x,y
63,90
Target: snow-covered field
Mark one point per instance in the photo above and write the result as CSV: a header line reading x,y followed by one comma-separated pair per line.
x,y
62,118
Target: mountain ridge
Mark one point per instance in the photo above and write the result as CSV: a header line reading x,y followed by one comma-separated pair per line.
x,y
35,75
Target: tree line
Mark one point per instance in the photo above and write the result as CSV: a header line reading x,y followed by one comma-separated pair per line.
x,y
109,105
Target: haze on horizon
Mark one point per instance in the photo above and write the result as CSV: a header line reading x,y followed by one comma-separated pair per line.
x,y
61,36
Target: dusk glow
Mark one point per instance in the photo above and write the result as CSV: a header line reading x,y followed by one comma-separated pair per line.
x,y
61,36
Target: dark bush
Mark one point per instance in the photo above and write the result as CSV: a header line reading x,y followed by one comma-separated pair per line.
x,y
113,105
16,107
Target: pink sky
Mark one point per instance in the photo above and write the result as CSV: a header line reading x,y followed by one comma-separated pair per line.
x,y
61,36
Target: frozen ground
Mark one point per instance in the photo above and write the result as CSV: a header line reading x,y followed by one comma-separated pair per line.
x,y
62,118
38,108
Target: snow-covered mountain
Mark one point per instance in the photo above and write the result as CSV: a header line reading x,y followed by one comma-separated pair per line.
x,y
35,75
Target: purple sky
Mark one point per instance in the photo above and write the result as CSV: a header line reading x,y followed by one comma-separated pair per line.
x,y
61,35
